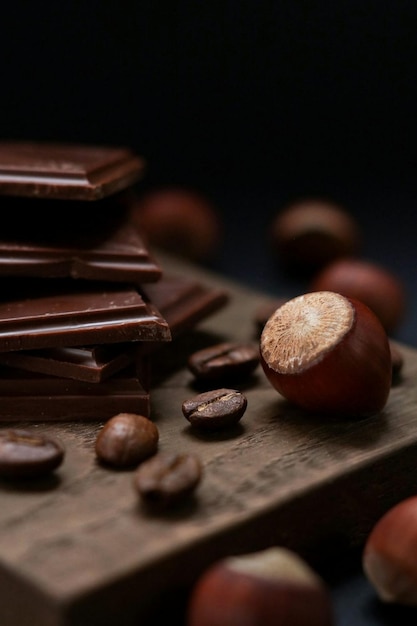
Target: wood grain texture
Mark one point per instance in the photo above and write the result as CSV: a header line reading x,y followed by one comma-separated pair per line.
x,y
78,549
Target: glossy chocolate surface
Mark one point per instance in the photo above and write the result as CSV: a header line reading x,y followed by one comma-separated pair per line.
x,y
89,363
51,238
182,301
66,171
29,396
50,314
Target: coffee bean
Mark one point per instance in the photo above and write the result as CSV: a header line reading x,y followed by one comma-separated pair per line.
x,y
167,478
215,409
26,454
126,439
224,361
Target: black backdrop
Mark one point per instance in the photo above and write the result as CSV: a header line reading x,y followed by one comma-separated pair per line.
x,y
281,92
251,101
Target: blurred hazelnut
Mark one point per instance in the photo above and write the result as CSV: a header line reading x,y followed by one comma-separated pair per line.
x,y
390,554
369,282
180,221
270,587
310,233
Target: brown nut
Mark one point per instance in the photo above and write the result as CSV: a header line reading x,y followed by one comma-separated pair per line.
x,y
390,554
369,282
327,353
179,220
308,234
126,439
270,587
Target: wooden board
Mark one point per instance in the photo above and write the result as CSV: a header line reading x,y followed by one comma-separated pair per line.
x,y
77,549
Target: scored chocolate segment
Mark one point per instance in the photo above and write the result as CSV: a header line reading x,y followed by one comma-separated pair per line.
x,y
39,314
66,171
90,363
183,302
118,255
28,396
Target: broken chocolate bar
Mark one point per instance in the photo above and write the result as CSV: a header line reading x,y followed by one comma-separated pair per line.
x,y
90,363
51,314
182,301
29,396
104,248
66,171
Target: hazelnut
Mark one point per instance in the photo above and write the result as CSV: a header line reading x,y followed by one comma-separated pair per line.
x,y
308,234
376,286
325,352
126,439
270,587
179,220
390,554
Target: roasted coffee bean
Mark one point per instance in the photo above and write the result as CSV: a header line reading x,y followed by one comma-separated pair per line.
x,y
215,409
167,478
126,439
224,361
26,454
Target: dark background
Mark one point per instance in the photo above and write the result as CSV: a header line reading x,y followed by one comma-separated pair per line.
x,y
251,102
284,94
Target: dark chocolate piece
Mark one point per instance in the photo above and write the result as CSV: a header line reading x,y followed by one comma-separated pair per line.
x,y
45,314
91,363
183,302
29,396
59,238
66,171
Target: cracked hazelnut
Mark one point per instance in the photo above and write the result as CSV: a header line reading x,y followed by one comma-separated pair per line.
x,y
327,353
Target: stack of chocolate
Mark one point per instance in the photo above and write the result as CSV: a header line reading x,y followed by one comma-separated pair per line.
x,y
83,301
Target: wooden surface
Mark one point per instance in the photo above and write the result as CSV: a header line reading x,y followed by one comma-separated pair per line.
x,y
77,549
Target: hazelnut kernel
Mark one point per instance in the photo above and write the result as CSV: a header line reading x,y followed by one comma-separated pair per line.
x,y
328,353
